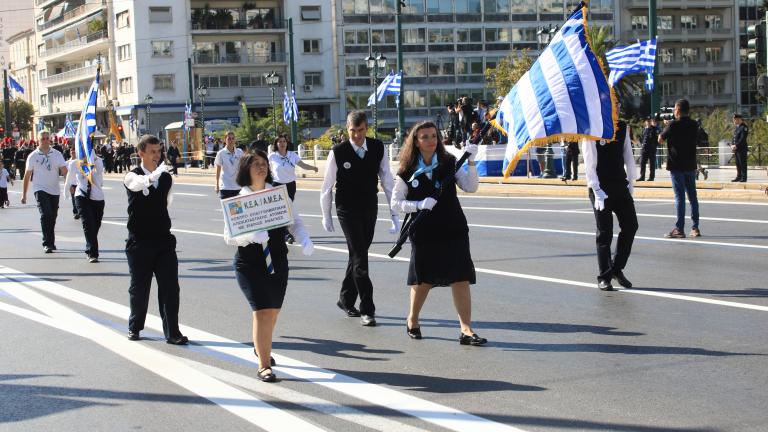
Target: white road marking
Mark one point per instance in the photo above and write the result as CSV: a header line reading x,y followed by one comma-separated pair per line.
x,y
190,194
431,412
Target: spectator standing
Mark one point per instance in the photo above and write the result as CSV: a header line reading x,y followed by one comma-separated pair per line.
x,y
5,177
649,142
226,162
21,157
260,143
571,161
173,157
681,136
739,147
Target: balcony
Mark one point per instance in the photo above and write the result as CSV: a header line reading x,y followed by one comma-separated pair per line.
x,y
237,59
211,21
88,72
681,35
93,38
681,4
74,13
73,106
698,67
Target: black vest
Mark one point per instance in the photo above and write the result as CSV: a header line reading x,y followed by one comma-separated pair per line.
x,y
148,214
610,160
357,179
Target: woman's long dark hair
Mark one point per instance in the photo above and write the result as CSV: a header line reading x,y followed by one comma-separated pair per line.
x,y
243,177
287,143
409,153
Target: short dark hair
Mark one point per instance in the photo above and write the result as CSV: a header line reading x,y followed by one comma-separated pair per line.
x,y
243,177
737,116
146,140
357,118
684,105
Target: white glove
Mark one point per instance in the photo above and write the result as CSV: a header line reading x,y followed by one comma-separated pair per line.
x,y
259,237
307,247
427,203
600,197
328,224
631,188
395,228
154,175
472,150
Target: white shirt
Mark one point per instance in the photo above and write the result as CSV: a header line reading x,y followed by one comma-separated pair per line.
x,y
97,194
70,180
590,162
141,183
466,180
46,169
228,162
283,168
4,179
326,192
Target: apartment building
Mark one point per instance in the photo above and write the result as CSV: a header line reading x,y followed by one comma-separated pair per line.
x,y
748,14
23,62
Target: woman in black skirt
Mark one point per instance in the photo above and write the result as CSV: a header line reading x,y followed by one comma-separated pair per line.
x,y
263,284
426,181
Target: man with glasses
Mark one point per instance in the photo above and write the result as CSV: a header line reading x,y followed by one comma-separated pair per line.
x,y
226,163
47,164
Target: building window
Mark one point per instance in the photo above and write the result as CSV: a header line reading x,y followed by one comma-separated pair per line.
x,y
439,7
415,67
639,22
356,37
42,74
414,36
496,35
355,69
469,66
160,15
313,79
713,54
667,88
124,52
381,7
412,7
354,7
380,37
689,55
162,48
666,55
496,6
690,88
126,85
43,100
310,13
441,66
688,21
415,98
164,82
469,36
664,22
713,21
716,86
467,6
123,19
440,36
311,46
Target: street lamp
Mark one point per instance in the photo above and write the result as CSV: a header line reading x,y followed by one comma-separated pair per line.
x,y
272,79
148,99
544,35
202,92
374,64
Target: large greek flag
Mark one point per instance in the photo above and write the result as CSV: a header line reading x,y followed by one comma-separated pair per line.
x,y
14,86
635,58
390,85
86,129
565,95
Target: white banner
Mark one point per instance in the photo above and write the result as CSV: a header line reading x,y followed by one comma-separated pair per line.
x,y
258,211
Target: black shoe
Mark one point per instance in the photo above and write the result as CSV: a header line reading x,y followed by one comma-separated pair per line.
x,y
178,340
640,179
77,216
133,335
53,247
651,179
623,281
368,320
93,259
266,375
413,333
271,359
351,312
604,285
736,180
473,340
47,249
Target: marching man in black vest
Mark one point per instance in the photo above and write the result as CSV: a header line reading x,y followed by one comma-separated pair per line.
x,y
151,248
610,176
355,166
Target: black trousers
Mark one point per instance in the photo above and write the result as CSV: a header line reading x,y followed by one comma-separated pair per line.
x,y
291,187
91,213
175,167
228,193
74,203
358,226
741,164
3,196
147,258
650,159
22,168
571,166
620,202
48,206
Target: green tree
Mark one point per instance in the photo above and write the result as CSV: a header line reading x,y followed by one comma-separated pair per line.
x,y
601,41
507,72
253,124
21,114
758,142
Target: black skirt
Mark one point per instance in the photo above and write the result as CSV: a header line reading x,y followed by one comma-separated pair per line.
x,y
441,263
262,289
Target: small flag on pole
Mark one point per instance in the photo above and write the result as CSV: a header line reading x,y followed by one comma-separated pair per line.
x,y
132,121
69,126
649,80
14,86
635,58
294,106
390,85
286,107
85,130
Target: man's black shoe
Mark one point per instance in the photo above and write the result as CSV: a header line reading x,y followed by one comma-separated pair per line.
x,y
736,180
640,179
604,285
47,249
179,340
133,335
623,281
351,312
368,321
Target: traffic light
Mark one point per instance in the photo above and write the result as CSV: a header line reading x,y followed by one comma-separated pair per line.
x,y
756,45
120,129
2,131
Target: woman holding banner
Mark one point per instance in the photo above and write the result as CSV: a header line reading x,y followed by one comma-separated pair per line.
x,y
426,181
261,263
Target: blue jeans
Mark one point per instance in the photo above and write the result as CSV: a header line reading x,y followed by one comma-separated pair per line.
x,y
684,182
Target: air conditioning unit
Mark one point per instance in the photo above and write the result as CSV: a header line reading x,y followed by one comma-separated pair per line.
x,y
307,88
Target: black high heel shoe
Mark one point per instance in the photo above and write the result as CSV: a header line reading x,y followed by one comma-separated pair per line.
x,y
271,359
413,333
473,340
266,375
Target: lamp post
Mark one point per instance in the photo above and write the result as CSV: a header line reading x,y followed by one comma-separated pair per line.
x,y
148,99
202,92
545,35
374,64
272,79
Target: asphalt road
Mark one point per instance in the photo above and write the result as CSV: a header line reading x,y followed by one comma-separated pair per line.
x,y
685,350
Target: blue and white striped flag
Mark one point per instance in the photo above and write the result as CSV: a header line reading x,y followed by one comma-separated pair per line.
x,y
40,124
294,106
649,80
286,107
85,130
390,85
132,121
69,127
14,86
565,95
635,58
187,113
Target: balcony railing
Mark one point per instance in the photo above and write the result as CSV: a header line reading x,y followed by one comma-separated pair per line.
x,y
74,13
76,43
235,59
211,22
84,72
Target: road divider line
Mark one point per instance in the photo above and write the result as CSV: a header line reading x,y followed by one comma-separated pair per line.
x,y
375,394
189,194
